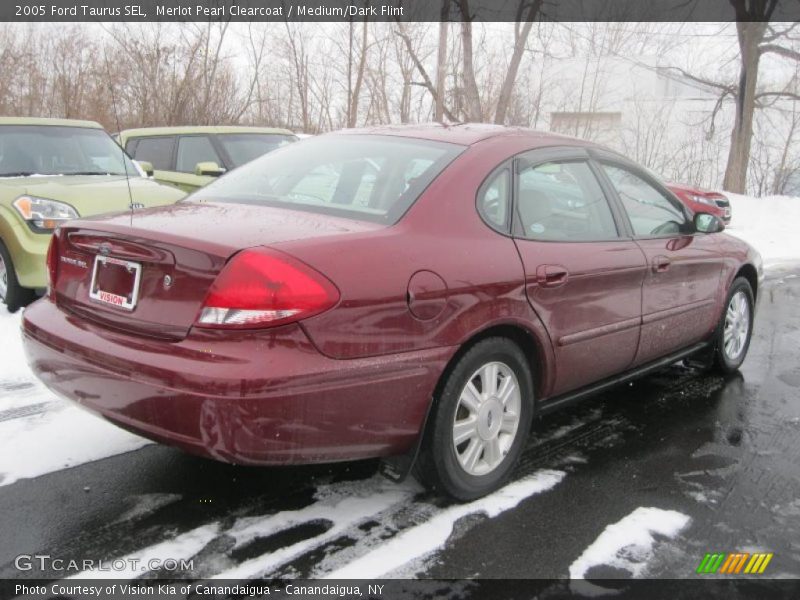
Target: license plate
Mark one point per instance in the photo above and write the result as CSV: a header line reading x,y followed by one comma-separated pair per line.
x,y
727,212
115,282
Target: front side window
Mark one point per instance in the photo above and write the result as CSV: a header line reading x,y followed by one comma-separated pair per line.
x,y
370,177
651,213
195,149
155,150
53,150
244,147
563,201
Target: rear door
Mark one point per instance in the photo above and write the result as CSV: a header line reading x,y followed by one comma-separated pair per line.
x,y
583,273
684,267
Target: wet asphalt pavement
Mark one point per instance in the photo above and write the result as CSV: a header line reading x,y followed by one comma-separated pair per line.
x,y
724,451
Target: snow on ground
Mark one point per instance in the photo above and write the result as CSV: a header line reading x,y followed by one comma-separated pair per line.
x,y
431,535
341,506
340,510
180,548
628,543
771,224
40,433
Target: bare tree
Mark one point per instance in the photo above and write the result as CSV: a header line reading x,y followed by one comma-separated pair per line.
x,y
521,32
441,62
354,87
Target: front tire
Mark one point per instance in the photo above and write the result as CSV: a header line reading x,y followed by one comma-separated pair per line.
x,y
735,328
12,294
480,421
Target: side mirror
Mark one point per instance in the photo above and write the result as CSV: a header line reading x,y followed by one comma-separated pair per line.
x,y
707,223
209,168
145,166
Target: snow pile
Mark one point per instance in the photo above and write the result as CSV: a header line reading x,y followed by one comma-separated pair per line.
x,y
40,433
63,436
771,224
429,536
13,368
628,544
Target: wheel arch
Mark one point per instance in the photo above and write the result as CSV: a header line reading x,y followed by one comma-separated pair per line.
x,y
749,272
532,347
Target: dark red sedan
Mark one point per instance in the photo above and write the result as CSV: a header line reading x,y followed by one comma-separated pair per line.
x,y
373,293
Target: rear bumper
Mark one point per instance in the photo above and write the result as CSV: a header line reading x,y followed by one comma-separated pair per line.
x,y
265,397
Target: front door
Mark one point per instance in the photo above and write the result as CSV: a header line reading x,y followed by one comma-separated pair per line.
x,y
583,275
684,267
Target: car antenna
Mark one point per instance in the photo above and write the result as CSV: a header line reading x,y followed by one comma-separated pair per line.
x,y
131,204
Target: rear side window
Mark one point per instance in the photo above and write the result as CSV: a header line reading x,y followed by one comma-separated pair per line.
x,y
563,201
155,150
369,177
195,149
494,199
651,213
241,148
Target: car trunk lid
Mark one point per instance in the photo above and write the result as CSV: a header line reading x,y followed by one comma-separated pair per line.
x,y
149,272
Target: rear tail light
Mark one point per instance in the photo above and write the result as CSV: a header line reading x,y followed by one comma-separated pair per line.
x,y
261,288
52,266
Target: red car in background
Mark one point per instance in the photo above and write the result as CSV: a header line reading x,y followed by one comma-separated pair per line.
x,y
701,200
420,290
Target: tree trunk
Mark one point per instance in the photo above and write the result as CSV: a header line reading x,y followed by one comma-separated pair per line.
x,y
750,36
355,94
521,32
441,68
472,99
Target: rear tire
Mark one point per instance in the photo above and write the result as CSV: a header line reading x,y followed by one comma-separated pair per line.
x,y
735,327
12,294
479,423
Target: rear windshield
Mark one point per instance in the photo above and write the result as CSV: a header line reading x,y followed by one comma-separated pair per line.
x,y
244,147
56,150
366,177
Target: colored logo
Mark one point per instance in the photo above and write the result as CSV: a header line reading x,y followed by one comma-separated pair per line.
x,y
735,563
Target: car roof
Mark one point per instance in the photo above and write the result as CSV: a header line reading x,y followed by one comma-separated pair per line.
x,y
49,122
191,129
466,134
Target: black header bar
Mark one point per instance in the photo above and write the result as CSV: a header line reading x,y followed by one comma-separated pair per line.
x,y
390,10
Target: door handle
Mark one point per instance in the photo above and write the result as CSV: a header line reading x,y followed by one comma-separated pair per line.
x,y
660,264
551,275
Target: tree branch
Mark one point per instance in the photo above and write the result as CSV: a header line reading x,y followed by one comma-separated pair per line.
x,y
401,31
780,50
730,89
791,95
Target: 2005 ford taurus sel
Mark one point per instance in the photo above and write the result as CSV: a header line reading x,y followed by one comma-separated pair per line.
x,y
383,292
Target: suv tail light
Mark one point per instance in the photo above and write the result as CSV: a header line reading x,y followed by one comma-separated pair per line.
x,y
52,266
261,288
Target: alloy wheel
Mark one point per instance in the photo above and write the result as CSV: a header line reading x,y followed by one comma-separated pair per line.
x,y
737,325
487,418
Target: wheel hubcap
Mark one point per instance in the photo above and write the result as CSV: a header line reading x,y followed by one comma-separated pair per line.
x,y
737,326
487,418
3,279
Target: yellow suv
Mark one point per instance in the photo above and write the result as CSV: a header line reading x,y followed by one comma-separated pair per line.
x,y
190,157
53,170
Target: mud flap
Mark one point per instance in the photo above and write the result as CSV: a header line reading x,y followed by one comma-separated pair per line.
x,y
398,468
